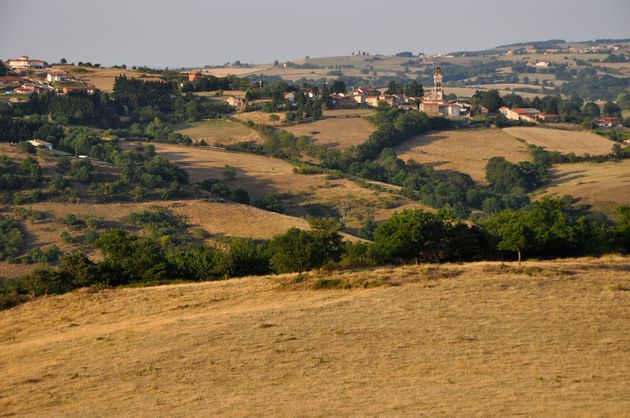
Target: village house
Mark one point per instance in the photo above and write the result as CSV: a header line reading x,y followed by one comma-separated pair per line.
x,y
368,91
290,96
87,88
548,117
8,81
38,143
56,76
236,102
527,114
341,101
435,105
25,63
371,100
193,76
27,89
607,122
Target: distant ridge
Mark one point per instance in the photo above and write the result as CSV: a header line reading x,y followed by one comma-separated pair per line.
x,y
552,42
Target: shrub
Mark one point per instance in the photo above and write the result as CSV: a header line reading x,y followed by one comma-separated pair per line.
x,y
271,202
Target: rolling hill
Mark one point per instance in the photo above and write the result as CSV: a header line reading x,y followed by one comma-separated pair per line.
x,y
490,339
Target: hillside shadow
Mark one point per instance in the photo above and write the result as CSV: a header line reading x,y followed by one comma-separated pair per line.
x,y
568,176
419,141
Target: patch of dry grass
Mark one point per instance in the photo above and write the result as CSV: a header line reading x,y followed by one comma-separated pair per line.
x,y
103,78
335,132
262,118
466,151
605,185
577,142
490,339
317,195
218,132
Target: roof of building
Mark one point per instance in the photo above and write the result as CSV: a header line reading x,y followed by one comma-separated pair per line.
x,y
525,110
25,58
608,119
7,78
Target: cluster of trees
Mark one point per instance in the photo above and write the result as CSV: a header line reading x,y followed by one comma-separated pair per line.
x,y
15,129
162,252
11,238
142,172
208,82
409,89
594,86
14,178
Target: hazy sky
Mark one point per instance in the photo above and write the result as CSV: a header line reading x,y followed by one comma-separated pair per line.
x,y
194,33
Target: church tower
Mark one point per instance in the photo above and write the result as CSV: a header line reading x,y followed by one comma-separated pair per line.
x,y
438,92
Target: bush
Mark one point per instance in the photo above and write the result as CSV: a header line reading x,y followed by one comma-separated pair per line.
x,y
11,238
270,202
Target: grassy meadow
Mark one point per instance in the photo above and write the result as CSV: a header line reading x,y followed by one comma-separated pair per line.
x,y
491,339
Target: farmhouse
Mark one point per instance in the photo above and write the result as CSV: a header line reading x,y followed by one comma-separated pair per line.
x,y
237,102
38,143
548,117
8,81
27,89
526,114
435,104
25,63
56,76
340,101
608,122
368,91
88,88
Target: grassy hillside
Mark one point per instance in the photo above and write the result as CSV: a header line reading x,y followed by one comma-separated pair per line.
x,y
336,132
577,142
490,339
604,186
218,132
317,195
466,151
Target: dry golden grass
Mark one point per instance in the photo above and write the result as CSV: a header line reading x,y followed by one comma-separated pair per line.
x,y
217,219
239,72
335,132
548,339
342,113
318,195
470,91
604,185
466,151
261,117
577,142
103,78
218,132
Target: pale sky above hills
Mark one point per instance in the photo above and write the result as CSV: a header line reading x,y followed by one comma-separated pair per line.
x,y
194,33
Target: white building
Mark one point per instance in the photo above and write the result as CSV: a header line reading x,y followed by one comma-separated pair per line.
x,y
38,143
25,63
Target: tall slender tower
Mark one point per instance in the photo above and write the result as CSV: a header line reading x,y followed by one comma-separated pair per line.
x,y
438,92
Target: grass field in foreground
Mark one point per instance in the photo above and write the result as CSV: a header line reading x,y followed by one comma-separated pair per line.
x,y
577,142
466,150
490,339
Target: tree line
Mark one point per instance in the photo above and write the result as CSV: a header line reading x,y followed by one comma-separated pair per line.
x,y
162,252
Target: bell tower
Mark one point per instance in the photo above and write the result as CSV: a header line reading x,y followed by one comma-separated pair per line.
x,y
438,92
